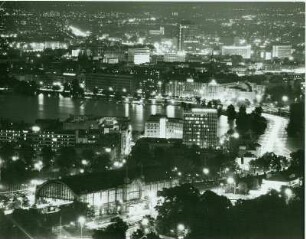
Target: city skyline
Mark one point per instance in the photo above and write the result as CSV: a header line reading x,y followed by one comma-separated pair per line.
x,y
133,120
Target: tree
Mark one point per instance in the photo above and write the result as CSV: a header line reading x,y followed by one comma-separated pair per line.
x,y
179,206
67,158
6,152
297,163
116,230
231,113
270,162
47,156
27,154
242,121
101,162
296,124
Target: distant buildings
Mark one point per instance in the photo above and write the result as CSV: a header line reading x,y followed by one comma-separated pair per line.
x,y
41,46
39,139
139,55
244,51
158,126
174,57
200,128
160,31
187,40
213,90
109,82
282,52
110,132
89,130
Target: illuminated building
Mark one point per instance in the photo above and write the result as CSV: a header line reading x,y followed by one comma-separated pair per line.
x,y
40,139
109,192
158,126
187,40
89,129
244,51
200,128
109,82
282,51
160,31
139,55
173,57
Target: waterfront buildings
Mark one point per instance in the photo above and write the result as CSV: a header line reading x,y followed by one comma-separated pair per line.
x,y
200,128
109,82
212,90
158,126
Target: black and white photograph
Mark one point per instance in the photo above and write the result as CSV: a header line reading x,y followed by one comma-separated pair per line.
x,y
152,119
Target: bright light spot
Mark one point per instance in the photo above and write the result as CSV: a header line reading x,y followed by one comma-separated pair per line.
x,y
79,32
205,171
38,165
36,128
236,135
84,162
145,222
230,180
81,220
180,227
15,158
213,82
108,150
285,98
288,192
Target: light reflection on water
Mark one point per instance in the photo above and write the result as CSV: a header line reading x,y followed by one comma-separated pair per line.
x,y
43,106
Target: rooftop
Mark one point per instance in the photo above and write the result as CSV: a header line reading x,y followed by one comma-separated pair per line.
x,y
87,183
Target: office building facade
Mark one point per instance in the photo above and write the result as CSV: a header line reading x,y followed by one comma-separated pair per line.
x,y
159,126
200,128
282,51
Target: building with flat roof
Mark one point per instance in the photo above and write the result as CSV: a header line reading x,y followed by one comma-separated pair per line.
x,y
139,55
244,51
282,52
112,82
200,127
159,126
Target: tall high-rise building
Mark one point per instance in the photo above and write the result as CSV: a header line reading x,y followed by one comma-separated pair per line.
x,y
187,40
244,51
281,51
200,128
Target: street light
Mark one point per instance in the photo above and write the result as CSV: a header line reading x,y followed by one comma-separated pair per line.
x,y
236,135
231,181
81,221
206,171
285,98
180,227
288,192
181,230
